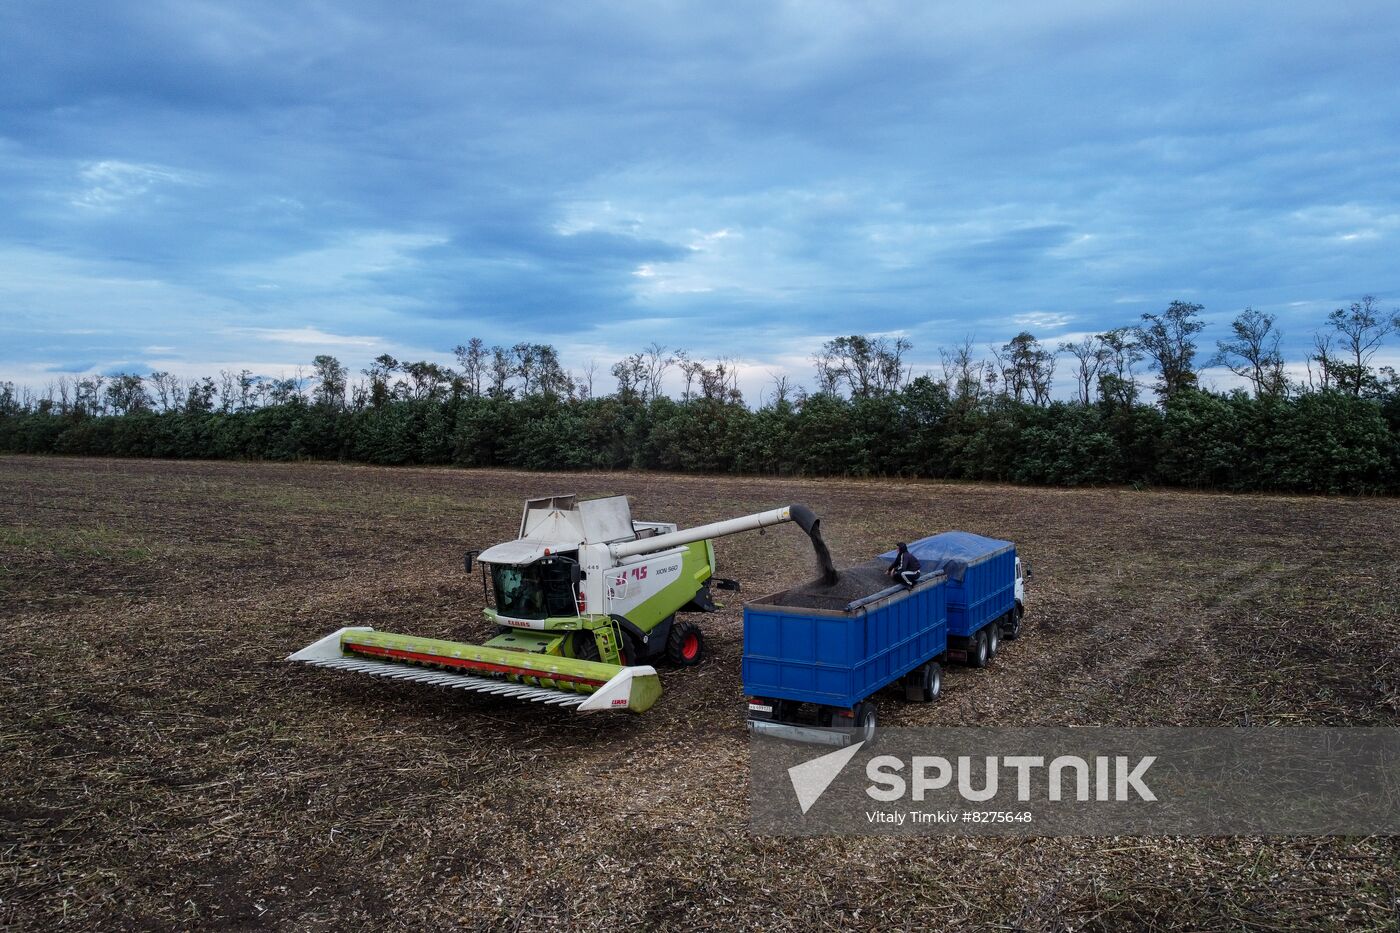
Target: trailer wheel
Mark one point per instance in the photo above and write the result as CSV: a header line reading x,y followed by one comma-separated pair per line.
x,y
977,652
1013,627
685,646
993,639
863,722
923,683
933,681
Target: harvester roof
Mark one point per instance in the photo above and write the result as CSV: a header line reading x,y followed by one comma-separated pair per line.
x,y
561,523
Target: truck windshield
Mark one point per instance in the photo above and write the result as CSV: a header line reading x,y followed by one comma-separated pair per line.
x,y
534,591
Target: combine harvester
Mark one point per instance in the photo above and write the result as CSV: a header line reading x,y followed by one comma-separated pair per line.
x,y
583,597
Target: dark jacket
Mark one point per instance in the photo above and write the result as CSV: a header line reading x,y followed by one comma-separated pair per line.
x,y
905,561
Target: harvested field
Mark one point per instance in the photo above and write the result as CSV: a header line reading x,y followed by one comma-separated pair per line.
x,y
162,769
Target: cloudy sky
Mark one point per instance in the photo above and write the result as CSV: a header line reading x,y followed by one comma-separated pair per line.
x,y
193,186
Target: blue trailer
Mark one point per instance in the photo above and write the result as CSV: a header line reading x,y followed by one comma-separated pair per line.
x,y
984,587
811,669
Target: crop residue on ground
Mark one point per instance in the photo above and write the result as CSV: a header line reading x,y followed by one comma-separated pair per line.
x,y
162,768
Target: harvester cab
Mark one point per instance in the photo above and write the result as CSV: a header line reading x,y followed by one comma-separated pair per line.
x,y
585,600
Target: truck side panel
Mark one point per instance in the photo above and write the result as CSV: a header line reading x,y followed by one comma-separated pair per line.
x,y
987,592
838,659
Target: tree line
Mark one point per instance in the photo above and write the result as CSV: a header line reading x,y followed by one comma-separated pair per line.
x,y
1335,428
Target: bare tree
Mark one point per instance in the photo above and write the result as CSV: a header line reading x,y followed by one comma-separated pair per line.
x,y
869,366
590,372
1090,355
782,387
964,375
472,357
1252,352
657,363
890,373
160,389
828,369
501,370
228,392
690,372
171,390
1360,330
250,390
1001,371
65,394
88,396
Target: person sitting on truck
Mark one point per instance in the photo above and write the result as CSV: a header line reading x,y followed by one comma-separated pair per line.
x,y
906,567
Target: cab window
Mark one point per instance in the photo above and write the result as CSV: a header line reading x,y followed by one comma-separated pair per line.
x,y
534,591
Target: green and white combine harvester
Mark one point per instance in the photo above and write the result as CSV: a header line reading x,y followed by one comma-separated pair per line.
x,y
582,599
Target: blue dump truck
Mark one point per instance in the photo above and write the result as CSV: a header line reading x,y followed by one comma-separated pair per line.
x,y
816,655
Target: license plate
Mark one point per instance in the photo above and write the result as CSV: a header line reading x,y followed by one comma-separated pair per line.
x,y
759,708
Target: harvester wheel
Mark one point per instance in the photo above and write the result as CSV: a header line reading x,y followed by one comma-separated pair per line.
x,y
585,645
629,650
685,646
977,655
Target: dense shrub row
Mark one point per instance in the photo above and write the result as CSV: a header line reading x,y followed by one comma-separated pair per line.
x,y
1315,442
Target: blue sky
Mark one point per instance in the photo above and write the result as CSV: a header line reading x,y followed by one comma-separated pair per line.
x,y
194,186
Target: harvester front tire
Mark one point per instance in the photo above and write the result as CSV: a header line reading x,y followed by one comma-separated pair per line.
x,y
685,645
585,645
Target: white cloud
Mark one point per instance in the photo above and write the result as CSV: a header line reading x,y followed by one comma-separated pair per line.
x,y
111,183
310,336
343,264
1045,320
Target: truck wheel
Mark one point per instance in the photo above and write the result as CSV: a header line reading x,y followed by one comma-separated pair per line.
x,y
933,681
993,639
863,723
977,652
1013,625
685,646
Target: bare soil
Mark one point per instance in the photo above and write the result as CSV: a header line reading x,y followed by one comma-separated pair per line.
x,y
163,769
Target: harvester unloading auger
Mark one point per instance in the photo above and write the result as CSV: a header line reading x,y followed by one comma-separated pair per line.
x,y
582,598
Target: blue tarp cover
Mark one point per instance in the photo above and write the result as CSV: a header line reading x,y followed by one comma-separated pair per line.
x,y
951,552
